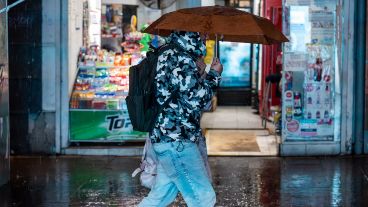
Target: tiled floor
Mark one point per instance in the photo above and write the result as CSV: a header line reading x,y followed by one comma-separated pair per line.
x,y
240,118
231,117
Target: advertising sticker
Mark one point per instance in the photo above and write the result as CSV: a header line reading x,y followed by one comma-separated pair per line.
x,y
293,126
308,127
289,97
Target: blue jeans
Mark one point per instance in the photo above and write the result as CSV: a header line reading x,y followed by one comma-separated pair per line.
x,y
180,168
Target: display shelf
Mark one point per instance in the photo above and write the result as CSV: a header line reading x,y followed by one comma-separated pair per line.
x,y
98,110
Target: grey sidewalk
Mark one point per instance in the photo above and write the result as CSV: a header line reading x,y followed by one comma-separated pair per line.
x,y
238,181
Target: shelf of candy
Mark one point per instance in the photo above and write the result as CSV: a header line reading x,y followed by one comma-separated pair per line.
x,y
132,42
102,82
108,59
93,57
101,88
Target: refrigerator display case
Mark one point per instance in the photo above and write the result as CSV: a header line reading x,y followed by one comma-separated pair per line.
x,y
236,59
98,111
310,102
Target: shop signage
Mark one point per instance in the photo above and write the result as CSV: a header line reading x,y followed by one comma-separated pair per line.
x,y
102,126
117,122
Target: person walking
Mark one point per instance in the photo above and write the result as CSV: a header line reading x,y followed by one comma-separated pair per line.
x,y
177,131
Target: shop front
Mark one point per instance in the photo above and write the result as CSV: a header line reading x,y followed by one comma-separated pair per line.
x,y
105,41
99,81
311,73
98,111
311,82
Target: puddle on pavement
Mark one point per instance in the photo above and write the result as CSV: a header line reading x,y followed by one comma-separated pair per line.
x,y
238,181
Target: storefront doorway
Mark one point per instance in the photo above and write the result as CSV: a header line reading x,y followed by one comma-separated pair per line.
x,y
234,127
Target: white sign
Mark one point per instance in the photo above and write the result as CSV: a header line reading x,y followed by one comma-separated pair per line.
x,y
295,61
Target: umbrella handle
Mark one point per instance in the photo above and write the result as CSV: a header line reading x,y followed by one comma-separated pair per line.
x,y
216,44
216,47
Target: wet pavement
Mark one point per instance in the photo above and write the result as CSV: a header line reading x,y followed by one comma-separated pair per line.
x,y
238,181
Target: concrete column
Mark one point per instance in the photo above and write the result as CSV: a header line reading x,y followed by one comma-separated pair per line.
x,y
62,114
347,76
51,80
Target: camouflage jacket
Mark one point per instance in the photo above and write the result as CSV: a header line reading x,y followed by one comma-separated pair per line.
x,y
177,73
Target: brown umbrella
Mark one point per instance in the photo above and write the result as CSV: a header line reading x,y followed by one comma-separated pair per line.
x,y
228,23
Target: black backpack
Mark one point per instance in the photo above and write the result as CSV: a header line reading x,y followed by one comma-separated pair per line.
x,y
143,107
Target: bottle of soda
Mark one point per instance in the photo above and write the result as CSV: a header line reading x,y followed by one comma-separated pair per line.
x,y
297,104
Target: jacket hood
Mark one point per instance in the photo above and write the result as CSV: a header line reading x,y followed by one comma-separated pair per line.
x,y
190,41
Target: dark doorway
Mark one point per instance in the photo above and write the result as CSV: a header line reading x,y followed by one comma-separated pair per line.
x,y
25,70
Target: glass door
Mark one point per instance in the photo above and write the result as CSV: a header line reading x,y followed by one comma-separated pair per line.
x,y
310,77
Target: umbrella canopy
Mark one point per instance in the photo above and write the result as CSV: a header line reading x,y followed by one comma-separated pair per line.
x,y
229,23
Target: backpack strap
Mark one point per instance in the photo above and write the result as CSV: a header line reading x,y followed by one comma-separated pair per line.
x,y
144,155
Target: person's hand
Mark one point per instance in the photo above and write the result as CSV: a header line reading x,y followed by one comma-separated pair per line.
x,y
201,65
216,65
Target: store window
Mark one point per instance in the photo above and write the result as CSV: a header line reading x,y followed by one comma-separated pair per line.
x,y
309,72
98,110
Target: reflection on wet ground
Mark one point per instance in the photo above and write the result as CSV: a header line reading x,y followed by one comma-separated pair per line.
x,y
238,181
